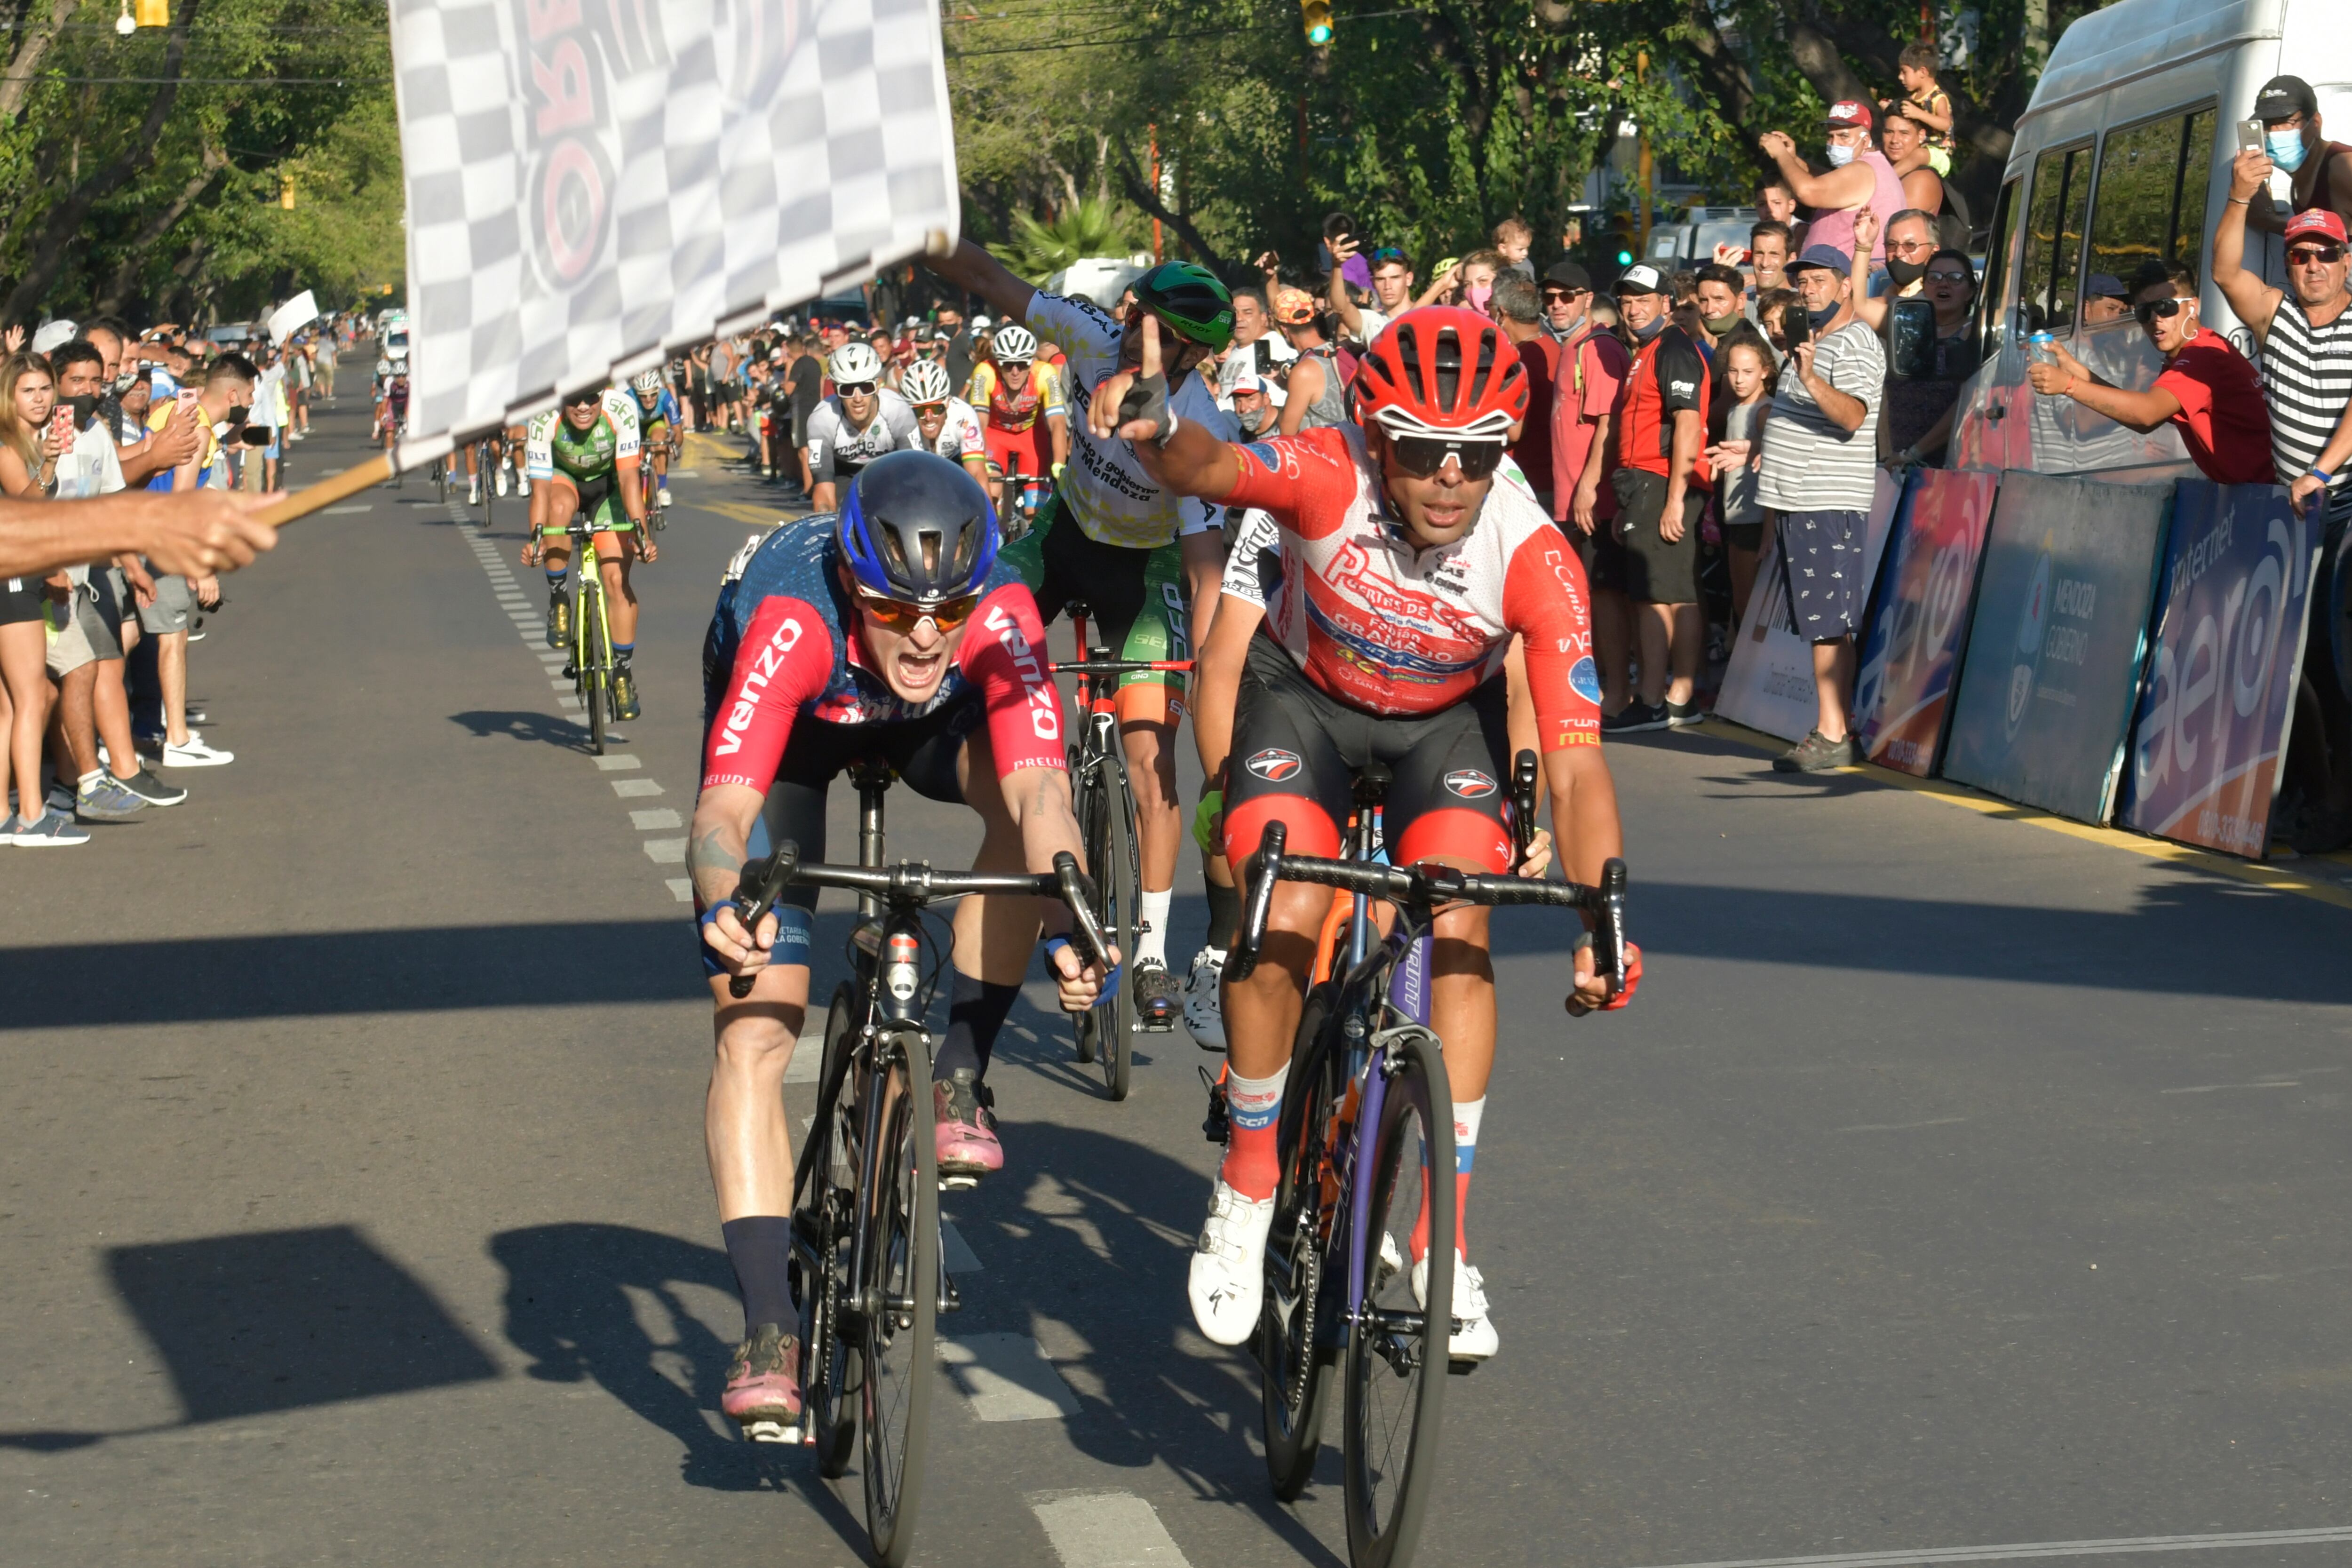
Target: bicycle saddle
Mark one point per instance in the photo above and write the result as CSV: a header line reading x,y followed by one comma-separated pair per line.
x,y
1373,781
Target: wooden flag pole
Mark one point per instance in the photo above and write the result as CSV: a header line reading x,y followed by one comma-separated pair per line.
x,y
326,492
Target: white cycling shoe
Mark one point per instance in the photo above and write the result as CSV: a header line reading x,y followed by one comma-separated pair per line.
x,y
1204,1010
1227,1282
1475,1339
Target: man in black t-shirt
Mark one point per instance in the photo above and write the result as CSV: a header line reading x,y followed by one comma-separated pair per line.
x,y
805,387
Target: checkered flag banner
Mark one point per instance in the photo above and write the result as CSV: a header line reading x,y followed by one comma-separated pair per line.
x,y
594,184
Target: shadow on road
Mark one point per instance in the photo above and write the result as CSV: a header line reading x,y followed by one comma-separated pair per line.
x,y
274,1321
538,728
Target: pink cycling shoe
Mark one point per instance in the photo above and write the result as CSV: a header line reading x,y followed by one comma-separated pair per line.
x,y
965,1126
763,1392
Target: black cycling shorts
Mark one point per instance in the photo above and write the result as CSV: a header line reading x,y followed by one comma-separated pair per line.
x,y
923,754
1297,750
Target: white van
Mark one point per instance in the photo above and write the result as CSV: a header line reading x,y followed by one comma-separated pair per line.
x,y
2123,156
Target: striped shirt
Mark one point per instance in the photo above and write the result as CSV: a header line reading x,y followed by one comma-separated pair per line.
x,y
1811,463
2307,372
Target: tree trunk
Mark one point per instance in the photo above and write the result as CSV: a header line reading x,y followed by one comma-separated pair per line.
x,y
111,303
1139,192
40,24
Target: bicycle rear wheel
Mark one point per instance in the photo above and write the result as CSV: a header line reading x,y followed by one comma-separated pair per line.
x,y
1291,1351
1396,1361
1110,832
830,1374
594,657
899,1302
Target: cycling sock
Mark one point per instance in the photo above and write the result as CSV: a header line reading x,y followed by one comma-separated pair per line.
x,y
555,580
1467,1114
1224,915
976,1011
1251,1166
622,650
1151,914
759,1245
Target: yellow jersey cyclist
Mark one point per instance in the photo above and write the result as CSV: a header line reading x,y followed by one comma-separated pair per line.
x,y
1028,419
861,421
949,425
585,456
657,427
1144,559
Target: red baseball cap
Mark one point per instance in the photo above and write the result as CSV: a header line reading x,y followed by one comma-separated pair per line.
x,y
1848,113
2319,221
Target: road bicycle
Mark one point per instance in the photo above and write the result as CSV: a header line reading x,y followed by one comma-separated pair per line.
x,y
591,665
1105,802
1366,1144
1019,498
486,472
867,1266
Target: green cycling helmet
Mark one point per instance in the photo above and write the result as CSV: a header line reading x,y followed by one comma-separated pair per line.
x,y
1188,298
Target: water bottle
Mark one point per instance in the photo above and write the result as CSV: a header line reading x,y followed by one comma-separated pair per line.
x,y
2042,348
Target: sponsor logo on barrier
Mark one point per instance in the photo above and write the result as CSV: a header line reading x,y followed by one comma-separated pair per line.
x,y
1274,764
2031,621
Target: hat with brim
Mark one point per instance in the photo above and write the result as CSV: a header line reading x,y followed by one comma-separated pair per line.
x,y
1828,258
1639,279
2283,98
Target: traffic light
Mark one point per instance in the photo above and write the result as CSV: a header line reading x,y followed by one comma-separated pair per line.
x,y
1621,235
1317,16
286,194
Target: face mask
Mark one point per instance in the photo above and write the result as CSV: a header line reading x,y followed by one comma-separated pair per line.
x,y
1645,333
125,381
1478,294
1840,156
1906,273
83,404
234,420
1720,325
2286,149
1819,318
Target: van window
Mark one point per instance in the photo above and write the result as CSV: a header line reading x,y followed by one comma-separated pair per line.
x,y
1992,302
2053,238
2151,197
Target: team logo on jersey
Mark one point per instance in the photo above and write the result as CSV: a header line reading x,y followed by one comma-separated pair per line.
x,y
1266,457
1470,784
1584,679
1274,764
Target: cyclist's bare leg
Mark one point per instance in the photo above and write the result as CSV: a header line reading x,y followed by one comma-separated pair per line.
x,y
1159,813
620,597
994,934
745,1129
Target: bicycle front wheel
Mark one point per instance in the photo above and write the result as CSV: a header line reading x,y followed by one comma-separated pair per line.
x,y
1290,1350
595,658
1111,855
899,1302
1396,1361
830,1374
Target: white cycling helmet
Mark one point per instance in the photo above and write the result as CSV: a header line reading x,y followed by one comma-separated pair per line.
x,y
1013,345
647,380
852,362
926,381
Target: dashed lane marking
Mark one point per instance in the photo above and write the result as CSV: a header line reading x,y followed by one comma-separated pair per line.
x,y
631,788
666,851
645,821
346,510
1105,1529
956,1253
1005,1377
2234,1542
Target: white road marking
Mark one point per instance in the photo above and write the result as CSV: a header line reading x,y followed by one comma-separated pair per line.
x,y
956,1253
666,851
1007,1378
2323,1536
1905,1126
617,761
345,510
2226,1088
1106,1530
680,889
625,788
645,821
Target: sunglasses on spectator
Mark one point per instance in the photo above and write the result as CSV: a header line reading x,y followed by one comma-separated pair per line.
x,y
1949,277
2315,254
1552,294
1385,254
2149,310
899,616
1910,247
1423,456
857,389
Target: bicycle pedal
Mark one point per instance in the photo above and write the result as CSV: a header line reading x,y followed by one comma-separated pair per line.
x,y
958,1184
950,1299
776,1432
1143,1026
1461,1366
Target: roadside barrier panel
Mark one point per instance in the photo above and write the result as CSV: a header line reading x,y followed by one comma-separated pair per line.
x,y
1919,624
2051,677
2212,729
1769,685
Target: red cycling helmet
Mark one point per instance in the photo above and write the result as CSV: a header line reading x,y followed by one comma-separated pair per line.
x,y
1441,370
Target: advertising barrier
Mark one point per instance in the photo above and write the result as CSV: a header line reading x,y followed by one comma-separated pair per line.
x,y
1919,625
2050,675
1769,685
2222,672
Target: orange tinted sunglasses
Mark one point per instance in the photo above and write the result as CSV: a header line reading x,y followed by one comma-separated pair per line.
x,y
898,615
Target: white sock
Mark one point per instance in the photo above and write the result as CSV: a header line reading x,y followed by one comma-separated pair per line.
x,y
90,778
1151,913
1467,1114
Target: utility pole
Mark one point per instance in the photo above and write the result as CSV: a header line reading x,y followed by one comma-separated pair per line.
x,y
1156,252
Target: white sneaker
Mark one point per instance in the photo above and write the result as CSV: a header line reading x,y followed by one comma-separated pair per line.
x,y
522,484
1476,1339
196,755
662,495
500,480
474,490
1227,1282
1204,1009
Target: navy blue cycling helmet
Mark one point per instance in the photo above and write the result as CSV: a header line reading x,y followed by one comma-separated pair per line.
x,y
917,526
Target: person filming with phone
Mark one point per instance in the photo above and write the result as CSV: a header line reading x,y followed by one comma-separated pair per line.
x,y
2319,172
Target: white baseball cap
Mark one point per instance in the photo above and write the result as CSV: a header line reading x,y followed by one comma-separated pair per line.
x,y
50,334
1249,382
1639,279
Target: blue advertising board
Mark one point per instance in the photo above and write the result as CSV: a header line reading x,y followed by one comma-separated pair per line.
x,y
2212,724
2052,673
1919,623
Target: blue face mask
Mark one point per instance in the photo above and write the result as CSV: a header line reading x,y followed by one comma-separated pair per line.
x,y
1840,156
2286,149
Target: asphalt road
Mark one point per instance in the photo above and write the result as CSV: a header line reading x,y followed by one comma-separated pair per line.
x,y
1955,1183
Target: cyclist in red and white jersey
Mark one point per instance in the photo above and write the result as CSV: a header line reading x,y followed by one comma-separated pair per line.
x,y
1407,571
949,425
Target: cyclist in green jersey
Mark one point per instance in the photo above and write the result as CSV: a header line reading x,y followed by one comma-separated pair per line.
x,y
1135,554
584,459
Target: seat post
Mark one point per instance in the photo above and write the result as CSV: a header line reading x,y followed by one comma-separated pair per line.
x,y
872,778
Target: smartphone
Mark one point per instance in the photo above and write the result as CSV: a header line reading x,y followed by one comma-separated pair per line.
x,y
1265,353
256,434
2250,136
187,396
1911,333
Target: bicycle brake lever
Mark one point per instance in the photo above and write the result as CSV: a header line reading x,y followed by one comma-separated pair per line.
x,y
1080,899
1523,805
1243,960
1608,929
756,895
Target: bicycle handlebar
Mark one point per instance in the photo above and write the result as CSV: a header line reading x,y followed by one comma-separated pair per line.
x,y
1425,885
1121,666
912,884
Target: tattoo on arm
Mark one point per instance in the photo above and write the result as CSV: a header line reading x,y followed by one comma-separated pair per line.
x,y
715,860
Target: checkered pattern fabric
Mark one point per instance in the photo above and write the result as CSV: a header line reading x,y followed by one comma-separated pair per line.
x,y
594,183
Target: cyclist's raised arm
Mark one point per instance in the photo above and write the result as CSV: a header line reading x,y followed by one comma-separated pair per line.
x,y
975,271
1180,456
